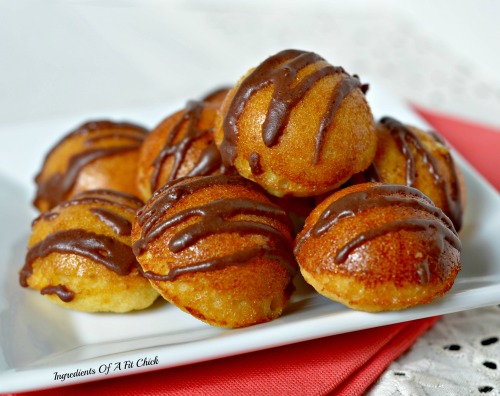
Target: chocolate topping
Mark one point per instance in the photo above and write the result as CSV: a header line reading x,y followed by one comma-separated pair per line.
x,y
254,162
56,187
341,90
239,258
443,233
119,224
106,250
45,216
405,138
61,291
104,197
214,217
378,196
281,71
209,160
165,197
120,196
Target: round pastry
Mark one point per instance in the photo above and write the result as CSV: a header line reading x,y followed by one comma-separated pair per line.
x,y
410,156
297,125
217,248
80,254
181,145
379,247
98,154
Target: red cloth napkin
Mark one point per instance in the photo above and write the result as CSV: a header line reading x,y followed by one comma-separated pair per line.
x,y
345,364
341,365
478,144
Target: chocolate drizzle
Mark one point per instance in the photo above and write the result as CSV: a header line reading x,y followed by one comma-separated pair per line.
x,y
214,217
45,216
126,137
119,224
281,71
239,258
61,291
379,196
406,139
376,197
254,162
209,160
407,225
109,251
104,197
115,255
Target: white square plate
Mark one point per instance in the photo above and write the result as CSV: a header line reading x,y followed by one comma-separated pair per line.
x,y
38,339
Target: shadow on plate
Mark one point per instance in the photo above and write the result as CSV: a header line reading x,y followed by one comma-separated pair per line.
x,y
29,328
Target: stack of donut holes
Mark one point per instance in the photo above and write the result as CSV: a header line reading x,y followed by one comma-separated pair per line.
x,y
227,202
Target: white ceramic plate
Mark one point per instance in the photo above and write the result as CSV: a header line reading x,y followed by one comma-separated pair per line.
x,y
39,339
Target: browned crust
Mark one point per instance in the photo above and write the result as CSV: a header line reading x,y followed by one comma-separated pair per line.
x,y
390,272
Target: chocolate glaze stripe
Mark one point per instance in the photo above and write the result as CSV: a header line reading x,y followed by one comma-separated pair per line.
x,y
112,253
214,219
134,135
119,224
454,196
379,196
193,233
45,216
285,98
121,196
96,201
58,185
61,291
190,118
125,201
239,258
340,92
55,187
94,126
254,163
238,102
165,197
119,199
209,160
383,196
281,70
443,233
404,137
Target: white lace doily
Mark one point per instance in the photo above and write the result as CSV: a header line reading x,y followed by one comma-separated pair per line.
x,y
459,355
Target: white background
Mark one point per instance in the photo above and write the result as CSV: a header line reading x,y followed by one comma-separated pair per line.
x,y
77,57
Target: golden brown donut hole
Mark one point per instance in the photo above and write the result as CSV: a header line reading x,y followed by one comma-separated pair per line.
x,y
295,165
412,257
